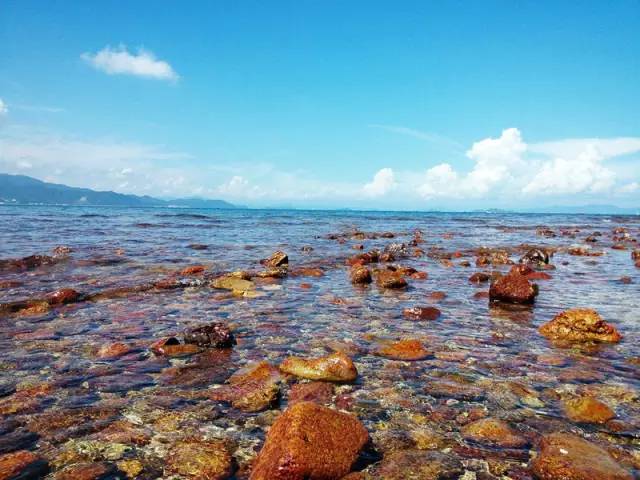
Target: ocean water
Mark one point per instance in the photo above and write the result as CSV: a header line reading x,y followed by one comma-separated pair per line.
x,y
525,379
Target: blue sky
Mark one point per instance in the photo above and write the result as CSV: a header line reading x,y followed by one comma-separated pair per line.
x,y
327,104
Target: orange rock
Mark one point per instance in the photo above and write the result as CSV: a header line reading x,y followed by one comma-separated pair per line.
x,y
277,259
513,288
199,460
568,457
336,367
580,325
310,442
390,279
588,410
86,471
421,313
493,431
251,389
113,350
193,270
404,350
171,347
318,392
360,275
22,464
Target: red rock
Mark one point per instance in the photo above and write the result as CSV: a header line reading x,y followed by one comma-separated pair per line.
x,y
363,258
360,275
421,313
318,392
251,389
480,295
479,277
494,432
113,350
193,270
580,325
418,465
277,259
419,275
310,442
564,456
437,296
539,276
63,296
22,465
171,347
390,279
404,350
587,410
513,288
305,286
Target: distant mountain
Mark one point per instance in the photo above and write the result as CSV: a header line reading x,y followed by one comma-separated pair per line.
x,y
23,190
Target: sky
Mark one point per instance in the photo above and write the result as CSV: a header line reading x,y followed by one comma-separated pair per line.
x,y
327,104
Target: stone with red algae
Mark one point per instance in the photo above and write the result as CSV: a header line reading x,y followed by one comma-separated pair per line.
x,y
310,442
513,288
22,465
580,325
199,460
587,410
408,350
494,432
63,296
390,279
360,275
564,456
336,367
421,313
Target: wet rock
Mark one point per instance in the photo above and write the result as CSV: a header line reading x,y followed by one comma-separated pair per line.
x,y
317,392
535,256
587,410
171,347
22,465
493,257
251,389
336,367
580,325
584,251
88,471
27,263
20,439
418,464
216,335
199,460
390,279
479,277
407,350
455,390
360,275
61,250
437,296
364,258
192,270
277,259
233,283
513,288
310,442
198,246
494,432
422,313
568,457
113,350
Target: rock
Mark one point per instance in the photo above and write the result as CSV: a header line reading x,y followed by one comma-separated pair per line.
x,y
364,258
61,250
22,465
198,246
63,296
277,259
251,389
310,442
494,432
479,277
421,313
535,256
451,389
233,283
404,350
171,347
216,335
113,350
390,279
199,460
635,254
419,465
336,367
568,457
513,288
88,471
27,263
580,325
318,392
360,275
587,410
192,270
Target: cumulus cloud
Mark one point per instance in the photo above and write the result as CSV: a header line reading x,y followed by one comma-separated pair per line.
x,y
118,61
3,108
383,182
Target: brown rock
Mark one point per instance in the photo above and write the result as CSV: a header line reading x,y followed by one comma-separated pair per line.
x,y
22,465
199,460
310,442
113,350
404,350
318,392
192,270
437,296
390,279
495,432
360,275
63,296
419,465
580,325
513,288
171,347
421,313
564,456
216,335
277,259
451,389
587,410
479,277
336,367
86,471
251,389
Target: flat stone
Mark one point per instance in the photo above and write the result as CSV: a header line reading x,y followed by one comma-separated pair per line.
x,y
494,432
587,410
407,350
336,367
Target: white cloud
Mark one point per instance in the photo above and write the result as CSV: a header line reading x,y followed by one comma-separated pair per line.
x,y
118,61
629,188
3,108
383,182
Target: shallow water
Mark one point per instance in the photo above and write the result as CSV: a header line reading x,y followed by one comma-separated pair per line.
x,y
74,396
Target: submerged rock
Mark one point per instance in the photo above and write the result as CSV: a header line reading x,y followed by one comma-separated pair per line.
x,y
318,392
336,367
580,325
234,283
451,389
216,335
390,279
587,410
251,389
310,442
421,313
171,347
360,275
568,457
494,432
513,288
404,350
22,465
199,460
418,464
63,296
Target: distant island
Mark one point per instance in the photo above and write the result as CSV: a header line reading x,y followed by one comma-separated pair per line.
x,y
24,190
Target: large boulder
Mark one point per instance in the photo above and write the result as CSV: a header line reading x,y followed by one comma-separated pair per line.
x,y
580,325
310,442
336,367
568,457
513,288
